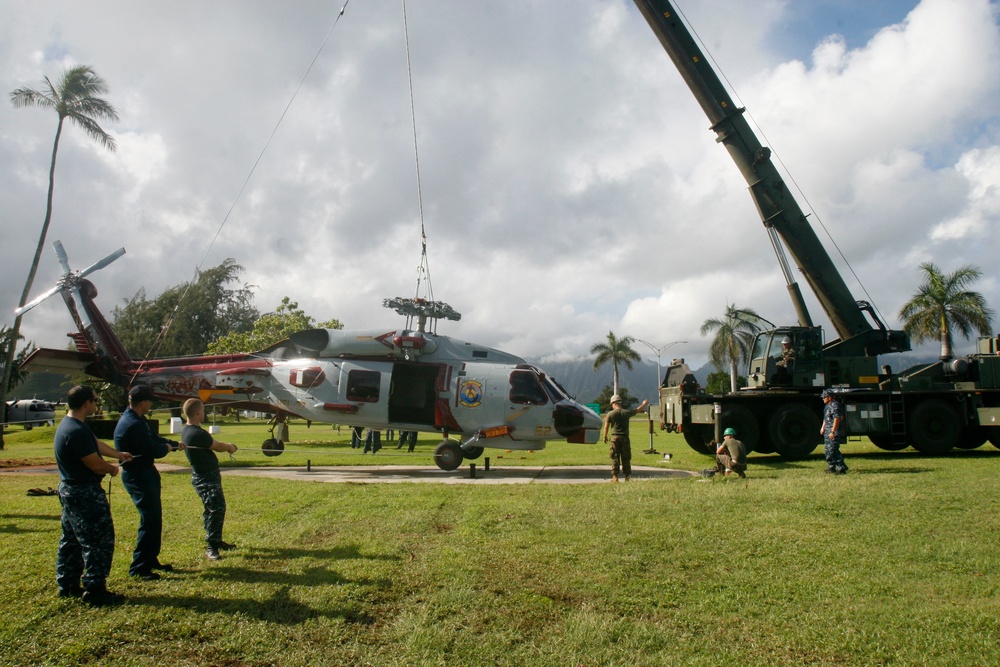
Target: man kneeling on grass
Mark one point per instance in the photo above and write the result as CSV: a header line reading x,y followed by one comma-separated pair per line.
x,y
730,457
205,475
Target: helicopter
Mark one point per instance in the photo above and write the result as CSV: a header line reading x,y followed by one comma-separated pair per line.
x,y
31,412
407,379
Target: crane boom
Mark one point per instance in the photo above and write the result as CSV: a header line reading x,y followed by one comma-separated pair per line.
x,y
777,207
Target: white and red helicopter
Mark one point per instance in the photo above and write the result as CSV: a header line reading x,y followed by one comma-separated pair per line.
x,y
407,379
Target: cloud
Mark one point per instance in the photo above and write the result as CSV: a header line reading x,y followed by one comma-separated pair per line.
x,y
569,184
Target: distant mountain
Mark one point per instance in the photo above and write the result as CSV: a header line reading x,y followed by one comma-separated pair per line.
x,y
579,378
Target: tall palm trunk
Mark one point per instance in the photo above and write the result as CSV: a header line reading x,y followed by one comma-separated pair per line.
x,y
945,337
11,351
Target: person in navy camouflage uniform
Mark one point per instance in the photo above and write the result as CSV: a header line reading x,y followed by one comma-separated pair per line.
x,y
87,544
407,437
832,431
142,480
200,448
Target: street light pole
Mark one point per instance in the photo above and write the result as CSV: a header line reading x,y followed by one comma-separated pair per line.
x,y
657,351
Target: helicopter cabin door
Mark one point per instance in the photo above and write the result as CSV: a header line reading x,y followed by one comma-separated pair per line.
x,y
412,393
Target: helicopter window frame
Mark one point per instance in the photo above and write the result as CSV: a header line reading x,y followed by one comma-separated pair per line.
x,y
554,389
364,386
531,392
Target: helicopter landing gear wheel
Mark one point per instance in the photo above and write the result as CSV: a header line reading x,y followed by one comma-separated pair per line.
x,y
473,453
448,455
272,447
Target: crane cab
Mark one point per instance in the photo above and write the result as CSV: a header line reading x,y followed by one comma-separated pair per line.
x,y
787,357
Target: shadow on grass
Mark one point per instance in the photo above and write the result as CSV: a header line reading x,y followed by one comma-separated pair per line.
x,y
332,553
46,517
280,608
18,529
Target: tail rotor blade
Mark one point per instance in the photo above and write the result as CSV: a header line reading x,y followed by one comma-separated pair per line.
x,y
96,266
61,254
28,306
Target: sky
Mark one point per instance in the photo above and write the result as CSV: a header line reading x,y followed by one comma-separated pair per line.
x,y
569,184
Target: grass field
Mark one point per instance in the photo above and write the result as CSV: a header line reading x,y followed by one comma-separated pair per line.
x,y
894,564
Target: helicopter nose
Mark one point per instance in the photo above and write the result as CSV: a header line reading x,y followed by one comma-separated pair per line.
x,y
576,423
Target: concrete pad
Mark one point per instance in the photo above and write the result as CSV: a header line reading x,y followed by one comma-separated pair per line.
x,y
390,474
495,475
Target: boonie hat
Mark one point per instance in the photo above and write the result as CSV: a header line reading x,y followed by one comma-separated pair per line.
x,y
616,399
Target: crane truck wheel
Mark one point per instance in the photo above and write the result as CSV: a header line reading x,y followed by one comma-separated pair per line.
x,y
448,455
697,437
972,436
934,427
794,428
884,441
747,427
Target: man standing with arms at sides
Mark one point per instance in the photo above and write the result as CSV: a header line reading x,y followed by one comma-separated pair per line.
x,y
88,534
617,421
142,480
200,448
832,431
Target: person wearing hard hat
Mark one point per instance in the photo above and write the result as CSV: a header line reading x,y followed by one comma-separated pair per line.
x,y
730,456
786,364
617,421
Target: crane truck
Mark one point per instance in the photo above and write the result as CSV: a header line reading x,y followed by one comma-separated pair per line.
x,y
933,407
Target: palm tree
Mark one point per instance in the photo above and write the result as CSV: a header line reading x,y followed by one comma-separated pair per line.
x,y
618,352
942,304
734,338
76,97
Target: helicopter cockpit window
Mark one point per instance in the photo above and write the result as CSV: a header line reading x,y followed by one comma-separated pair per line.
x,y
555,391
526,389
363,386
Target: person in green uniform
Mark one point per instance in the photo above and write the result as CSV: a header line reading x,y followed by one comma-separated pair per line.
x,y
730,456
617,422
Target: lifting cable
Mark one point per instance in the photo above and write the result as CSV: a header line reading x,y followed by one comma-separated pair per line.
x,y
424,269
166,326
774,152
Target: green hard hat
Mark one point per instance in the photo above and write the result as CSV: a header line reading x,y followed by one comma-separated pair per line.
x,y
729,431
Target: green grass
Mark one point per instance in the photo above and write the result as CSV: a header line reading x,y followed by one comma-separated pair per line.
x,y
894,564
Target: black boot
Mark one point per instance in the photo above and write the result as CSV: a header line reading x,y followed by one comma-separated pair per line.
x,y
99,596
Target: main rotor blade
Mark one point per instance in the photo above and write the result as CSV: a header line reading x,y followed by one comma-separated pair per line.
x,y
96,266
31,304
61,254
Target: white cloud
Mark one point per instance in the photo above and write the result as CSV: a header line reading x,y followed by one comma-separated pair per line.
x,y
570,184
